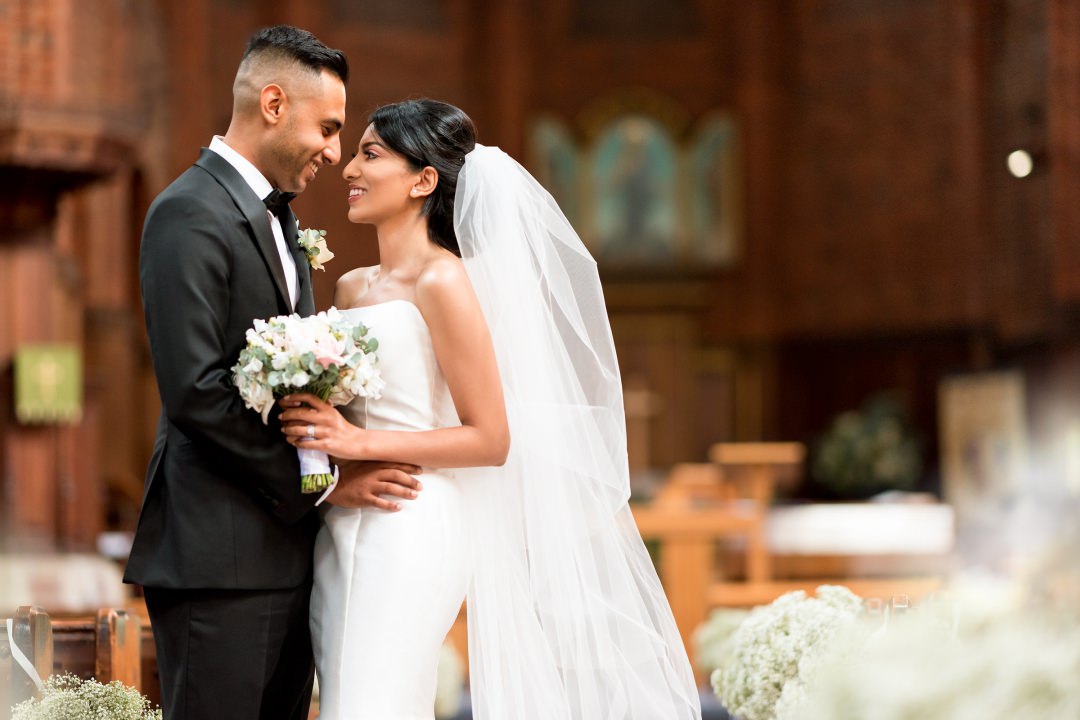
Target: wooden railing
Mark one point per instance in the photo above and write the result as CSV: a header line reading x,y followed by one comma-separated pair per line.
x,y
706,504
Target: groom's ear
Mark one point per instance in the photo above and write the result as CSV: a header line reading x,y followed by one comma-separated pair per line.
x,y
426,183
272,102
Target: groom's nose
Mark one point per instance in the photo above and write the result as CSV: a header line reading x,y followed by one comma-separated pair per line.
x,y
332,151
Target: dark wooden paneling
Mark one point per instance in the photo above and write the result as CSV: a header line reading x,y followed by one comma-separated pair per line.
x,y
1018,228
877,233
1063,146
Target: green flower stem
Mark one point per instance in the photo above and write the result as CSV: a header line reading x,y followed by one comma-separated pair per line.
x,y
315,483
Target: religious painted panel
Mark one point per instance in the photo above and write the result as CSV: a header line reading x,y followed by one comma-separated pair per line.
x,y
553,160
48,383
634,216
714,193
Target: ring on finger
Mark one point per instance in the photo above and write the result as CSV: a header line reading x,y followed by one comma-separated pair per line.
x,y
311,431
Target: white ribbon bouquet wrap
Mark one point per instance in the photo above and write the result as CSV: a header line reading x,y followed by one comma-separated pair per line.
x,y
326,355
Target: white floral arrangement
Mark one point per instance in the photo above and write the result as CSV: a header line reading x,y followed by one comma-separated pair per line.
x,y
1005,665
778,650
449,682
326,355
66,697
313,243
713,639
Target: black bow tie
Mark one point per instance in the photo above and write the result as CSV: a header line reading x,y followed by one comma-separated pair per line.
x,y
277,201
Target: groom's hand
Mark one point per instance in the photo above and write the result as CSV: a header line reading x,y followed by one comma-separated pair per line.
x,y
362,484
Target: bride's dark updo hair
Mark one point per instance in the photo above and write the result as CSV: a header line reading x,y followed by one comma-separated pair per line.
x,y
428,132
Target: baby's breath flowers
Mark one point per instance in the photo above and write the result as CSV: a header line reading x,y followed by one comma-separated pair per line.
x,y
66,697
774,650
1013,664
713,638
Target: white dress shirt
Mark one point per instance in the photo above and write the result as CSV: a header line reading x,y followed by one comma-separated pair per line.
x,y
262,187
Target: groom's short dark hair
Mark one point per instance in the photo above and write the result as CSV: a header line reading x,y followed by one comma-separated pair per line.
x,y
286,41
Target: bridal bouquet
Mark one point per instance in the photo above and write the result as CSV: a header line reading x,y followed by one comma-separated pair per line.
x,y
326,355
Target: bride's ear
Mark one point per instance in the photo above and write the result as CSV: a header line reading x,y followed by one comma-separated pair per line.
x,y
426,183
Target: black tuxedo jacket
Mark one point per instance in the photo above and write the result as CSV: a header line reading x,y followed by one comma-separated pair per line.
x,y
222,506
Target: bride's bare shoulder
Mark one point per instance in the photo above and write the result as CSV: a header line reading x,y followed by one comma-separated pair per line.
x,y
440,274
353,285
443,284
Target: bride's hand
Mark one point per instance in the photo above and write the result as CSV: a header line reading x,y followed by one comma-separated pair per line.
x,y
314,424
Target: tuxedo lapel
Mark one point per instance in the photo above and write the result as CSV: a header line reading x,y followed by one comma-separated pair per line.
x,y
254,211
305,300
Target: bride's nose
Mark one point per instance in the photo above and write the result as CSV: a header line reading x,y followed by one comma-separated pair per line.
x,y
350,172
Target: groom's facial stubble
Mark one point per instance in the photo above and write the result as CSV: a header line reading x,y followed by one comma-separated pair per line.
x,y
304,130
286,120
309,132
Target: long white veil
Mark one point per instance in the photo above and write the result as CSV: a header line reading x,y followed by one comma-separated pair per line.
x,y
567,618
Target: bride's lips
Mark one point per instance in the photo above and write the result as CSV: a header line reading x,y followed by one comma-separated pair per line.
x,y
355,193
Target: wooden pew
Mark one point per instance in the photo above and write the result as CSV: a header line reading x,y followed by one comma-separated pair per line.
x,y
106,646
33,635
151,680
113,644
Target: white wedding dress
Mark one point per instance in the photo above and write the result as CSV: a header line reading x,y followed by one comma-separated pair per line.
x,y
567,617
388,585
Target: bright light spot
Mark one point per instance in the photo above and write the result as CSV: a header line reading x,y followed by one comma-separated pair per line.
x,y
1020,163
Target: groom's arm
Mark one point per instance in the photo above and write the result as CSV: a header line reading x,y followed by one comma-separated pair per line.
x,y
185,267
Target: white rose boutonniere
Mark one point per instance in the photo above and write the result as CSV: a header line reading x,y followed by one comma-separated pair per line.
x,y
314,244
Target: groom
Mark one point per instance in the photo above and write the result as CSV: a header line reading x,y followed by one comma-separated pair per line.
x,y
224,542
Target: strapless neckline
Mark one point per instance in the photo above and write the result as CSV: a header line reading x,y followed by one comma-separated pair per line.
x,y
425,337
383,304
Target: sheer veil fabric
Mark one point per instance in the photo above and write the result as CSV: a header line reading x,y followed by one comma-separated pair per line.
x,y
567,618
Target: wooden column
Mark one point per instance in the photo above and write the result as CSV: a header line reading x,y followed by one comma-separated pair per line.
x,y
73,110
499,67
31,314
1063,29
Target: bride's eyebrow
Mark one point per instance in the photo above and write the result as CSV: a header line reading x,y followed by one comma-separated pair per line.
x,y
369,143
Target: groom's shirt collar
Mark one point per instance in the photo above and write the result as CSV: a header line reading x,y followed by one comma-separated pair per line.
x,y
251,175
262,188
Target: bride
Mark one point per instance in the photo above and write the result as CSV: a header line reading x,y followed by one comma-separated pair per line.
x,y
502,383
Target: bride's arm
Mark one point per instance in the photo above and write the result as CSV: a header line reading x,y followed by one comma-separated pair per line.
x,y
465,354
